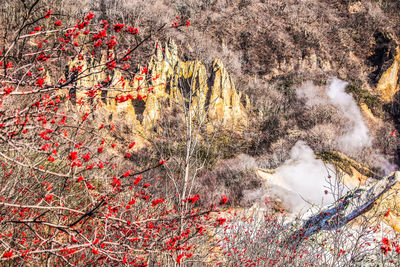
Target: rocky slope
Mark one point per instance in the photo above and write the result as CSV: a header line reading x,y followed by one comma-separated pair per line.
x,y
210,94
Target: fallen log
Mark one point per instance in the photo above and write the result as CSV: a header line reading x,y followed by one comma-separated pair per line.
x,y
355,203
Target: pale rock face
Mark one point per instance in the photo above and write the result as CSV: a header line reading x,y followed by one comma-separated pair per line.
x,y
356,7
388,206
388,83
169,78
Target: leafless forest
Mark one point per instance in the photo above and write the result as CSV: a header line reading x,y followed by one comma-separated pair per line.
x,y
199,133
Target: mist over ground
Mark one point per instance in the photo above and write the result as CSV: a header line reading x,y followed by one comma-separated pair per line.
x,y
303,180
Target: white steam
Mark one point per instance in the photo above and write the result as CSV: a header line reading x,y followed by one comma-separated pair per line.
x,y
302,180
356,135
312,94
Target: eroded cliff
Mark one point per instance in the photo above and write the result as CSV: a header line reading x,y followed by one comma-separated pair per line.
x,y
209,93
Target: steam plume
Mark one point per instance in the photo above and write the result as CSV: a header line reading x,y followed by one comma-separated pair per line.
x,y
357,134
302,180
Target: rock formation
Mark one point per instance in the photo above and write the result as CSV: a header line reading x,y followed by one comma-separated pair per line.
x,y
168,79
388,85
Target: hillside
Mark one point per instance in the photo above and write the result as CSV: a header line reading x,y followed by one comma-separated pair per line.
x,y
199,133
